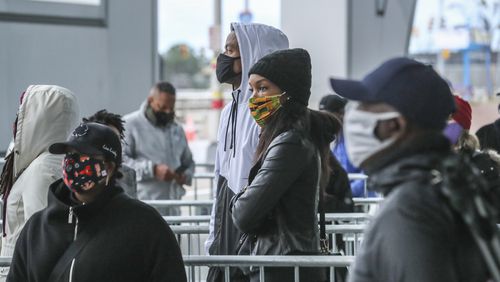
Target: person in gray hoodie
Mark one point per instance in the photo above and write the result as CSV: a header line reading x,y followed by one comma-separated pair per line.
x,y
238,134
156,147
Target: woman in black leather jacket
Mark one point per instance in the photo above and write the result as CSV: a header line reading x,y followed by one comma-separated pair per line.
x,y
278,209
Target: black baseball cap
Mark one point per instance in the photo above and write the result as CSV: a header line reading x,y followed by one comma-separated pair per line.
x,y
332,103
92,139
413,88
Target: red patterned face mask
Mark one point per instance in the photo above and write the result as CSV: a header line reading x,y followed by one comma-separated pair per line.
x,y
81,173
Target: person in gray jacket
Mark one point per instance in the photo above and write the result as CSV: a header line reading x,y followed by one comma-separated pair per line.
x,y
156,148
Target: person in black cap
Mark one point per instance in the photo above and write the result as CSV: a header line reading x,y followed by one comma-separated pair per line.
x,y
91,230
278,209
334,104
393,131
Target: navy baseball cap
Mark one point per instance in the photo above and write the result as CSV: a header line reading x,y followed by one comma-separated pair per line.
x,y
412,88
92,139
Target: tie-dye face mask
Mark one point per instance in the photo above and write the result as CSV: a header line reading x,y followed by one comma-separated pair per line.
x,y
81,173
262,108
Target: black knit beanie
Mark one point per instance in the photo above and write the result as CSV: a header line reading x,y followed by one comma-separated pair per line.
x,y
290,70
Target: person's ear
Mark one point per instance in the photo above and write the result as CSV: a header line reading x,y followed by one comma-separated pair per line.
x,y
150,99
391,128
396,126
401,124
110,169
284,98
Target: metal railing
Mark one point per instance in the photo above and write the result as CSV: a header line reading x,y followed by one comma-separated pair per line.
x,y
355,217
209,175
262,262
330,229
190,235
208,203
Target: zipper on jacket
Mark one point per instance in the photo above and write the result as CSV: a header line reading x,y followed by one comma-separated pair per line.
x,y
70,221
71,270
76,229
70,216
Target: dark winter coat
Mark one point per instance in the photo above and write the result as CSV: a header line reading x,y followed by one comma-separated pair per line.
x,y
489,136
415,236
130,241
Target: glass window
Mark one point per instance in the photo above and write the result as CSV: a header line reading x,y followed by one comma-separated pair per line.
x,y
65,12
188,45
462,39
186,33
82,2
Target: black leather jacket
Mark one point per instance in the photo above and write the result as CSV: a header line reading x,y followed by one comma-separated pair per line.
x,y
279,207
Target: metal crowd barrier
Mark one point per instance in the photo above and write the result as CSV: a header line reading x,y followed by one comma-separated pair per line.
x,y
201,176
208,203
262,262
330,229
210,176
355,217
350,232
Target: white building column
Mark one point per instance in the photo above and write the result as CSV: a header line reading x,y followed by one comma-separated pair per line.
x,y
320,27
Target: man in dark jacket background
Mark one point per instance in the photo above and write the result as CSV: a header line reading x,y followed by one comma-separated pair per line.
x,y
489,135
90,230
394,133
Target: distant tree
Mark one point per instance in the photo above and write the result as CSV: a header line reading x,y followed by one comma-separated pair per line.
x,y
184,68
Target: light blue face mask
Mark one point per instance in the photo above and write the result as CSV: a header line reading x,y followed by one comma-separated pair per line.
x,y
453,131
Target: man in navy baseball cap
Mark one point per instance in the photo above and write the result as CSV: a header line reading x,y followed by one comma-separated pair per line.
x,y
393,130
412,88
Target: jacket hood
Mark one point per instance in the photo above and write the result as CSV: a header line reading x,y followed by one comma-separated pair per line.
x,y
47,115
238,132
255,41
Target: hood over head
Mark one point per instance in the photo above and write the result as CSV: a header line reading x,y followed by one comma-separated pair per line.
x,y
47,115
255,41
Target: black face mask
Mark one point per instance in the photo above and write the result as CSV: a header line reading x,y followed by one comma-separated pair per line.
x,y
163,118
159,118
224,69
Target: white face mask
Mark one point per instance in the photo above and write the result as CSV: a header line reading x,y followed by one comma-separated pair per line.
x,y
359,131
